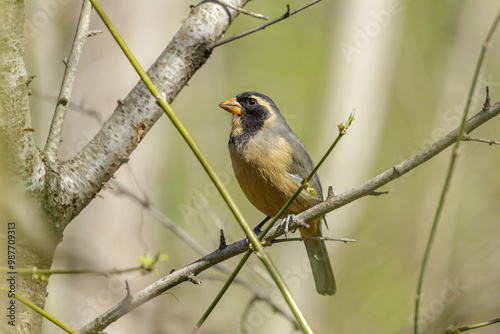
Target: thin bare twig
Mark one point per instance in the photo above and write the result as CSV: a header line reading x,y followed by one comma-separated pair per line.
x,y
94,33
222,242
54,138
330,192
79,107
489,142
378,193
287,14
243,11
178,231
345,240
202,203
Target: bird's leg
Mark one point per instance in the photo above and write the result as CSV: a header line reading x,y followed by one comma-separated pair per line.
x,y
286,222
257,228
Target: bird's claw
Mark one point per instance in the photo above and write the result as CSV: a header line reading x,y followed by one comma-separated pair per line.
x,y
285,223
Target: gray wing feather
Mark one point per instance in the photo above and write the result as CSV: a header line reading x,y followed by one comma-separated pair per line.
x,y
302,163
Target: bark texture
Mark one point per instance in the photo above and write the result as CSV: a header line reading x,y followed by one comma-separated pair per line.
x,y
60,190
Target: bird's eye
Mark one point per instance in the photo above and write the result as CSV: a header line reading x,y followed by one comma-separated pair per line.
x,y
252,101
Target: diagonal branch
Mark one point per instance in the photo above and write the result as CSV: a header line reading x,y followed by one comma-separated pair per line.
x,y
208,261
55,133
399,170
287,14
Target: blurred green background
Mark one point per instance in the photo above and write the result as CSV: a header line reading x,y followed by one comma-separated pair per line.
x,y
405,66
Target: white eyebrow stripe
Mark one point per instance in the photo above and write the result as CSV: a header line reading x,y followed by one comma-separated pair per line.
x,y
266,104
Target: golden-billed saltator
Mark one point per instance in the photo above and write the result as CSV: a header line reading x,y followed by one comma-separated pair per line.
x,y
270,162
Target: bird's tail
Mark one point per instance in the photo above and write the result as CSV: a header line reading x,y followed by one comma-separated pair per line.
x,y
320,261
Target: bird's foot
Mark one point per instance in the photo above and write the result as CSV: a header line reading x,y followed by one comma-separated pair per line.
x,y
257,231
285,223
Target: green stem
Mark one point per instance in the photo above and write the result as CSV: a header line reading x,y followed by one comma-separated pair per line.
x,y
342,132
42,312
471,327
175,120
222,291
479,325
48,272
266,260
451,169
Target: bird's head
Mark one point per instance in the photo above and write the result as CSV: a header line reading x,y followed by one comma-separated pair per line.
x,y
251,112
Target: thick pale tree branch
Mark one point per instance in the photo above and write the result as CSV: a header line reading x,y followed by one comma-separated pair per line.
x,y
187,273
71,185
19,160
22,155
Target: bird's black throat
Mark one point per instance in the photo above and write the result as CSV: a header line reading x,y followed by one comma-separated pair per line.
x,y
250,126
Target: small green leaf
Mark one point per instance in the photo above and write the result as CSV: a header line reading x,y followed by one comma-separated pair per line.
x,y
149,261
310,189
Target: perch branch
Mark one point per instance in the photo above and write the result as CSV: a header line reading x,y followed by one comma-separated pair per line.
x,y
398,170
368,187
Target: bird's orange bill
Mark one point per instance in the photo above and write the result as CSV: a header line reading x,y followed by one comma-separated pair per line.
x,y
232,106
